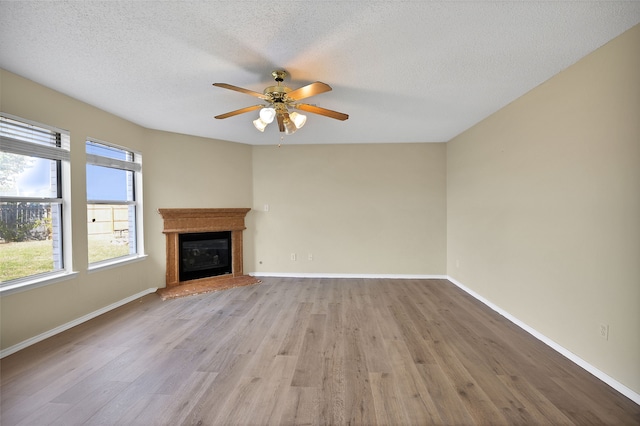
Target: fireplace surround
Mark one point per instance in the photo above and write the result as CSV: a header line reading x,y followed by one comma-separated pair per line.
x,y
190,223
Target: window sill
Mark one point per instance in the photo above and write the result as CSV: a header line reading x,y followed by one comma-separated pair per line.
x,y
113,263
30,284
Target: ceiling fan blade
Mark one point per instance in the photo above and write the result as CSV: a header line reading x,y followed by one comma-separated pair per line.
x,y
308,91
322,111
281,122
241,90
239,111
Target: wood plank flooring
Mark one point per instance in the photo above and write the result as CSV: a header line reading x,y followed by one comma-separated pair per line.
x,y
306,352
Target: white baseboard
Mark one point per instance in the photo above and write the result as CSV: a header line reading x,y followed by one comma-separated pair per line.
x,y
634,396
15,348
325,275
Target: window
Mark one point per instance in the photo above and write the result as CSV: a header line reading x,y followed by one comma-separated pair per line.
x,y
35,232
114,207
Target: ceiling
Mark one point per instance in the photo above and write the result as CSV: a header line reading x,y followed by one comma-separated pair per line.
x,y
405,71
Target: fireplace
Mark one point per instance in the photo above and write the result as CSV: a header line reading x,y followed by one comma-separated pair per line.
x,y
204,254
204,250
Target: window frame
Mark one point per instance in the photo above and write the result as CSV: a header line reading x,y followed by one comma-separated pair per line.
x,y
134,166
62,155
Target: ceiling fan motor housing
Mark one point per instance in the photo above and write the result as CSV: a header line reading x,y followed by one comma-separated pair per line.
x,y
276,93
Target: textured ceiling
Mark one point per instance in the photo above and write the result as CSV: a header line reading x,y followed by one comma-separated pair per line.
x,y
405,71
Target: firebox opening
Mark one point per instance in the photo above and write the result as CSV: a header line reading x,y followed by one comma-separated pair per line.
x,y
204,254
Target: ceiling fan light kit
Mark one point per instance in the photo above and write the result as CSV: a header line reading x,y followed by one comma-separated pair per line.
x,y
280,99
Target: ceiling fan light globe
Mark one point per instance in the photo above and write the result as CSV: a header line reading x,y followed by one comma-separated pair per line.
x,y
267,115
298,119
289,127
259,124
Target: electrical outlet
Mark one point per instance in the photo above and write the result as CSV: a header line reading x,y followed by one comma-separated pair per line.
x,y
604,331
310,256
293,256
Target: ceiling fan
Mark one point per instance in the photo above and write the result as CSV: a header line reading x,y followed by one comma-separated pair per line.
x,y
279,100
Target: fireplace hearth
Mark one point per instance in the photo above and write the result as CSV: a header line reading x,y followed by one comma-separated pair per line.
x,y
204,251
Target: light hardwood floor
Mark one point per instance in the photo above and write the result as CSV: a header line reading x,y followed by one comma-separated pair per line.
x,y
304,351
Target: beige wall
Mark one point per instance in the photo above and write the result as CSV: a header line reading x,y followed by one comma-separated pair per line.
x,y
544,208
169,161
358,209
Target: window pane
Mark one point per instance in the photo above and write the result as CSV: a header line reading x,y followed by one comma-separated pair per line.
x,y
105,183
112,202
23,176
108,151
30,239
111,231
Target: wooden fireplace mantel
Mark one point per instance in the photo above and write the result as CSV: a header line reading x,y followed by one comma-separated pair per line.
x,y
183,221
203,220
